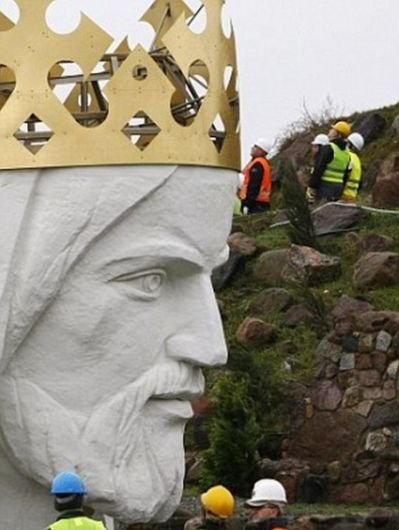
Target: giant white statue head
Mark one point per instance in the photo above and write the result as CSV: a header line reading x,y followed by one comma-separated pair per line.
x,y
107,316
116,189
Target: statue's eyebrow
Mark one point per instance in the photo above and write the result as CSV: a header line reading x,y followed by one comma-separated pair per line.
x,y
154,256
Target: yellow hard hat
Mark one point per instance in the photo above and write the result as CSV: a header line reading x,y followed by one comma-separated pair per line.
x,y
343,127
218,501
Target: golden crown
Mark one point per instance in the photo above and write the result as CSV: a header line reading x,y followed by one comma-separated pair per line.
x,y
65,100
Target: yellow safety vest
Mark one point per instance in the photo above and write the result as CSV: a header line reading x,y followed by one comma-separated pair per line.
x,y
355,176
335,171
77,523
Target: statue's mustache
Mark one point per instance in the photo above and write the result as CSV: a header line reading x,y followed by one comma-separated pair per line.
x,y
167,381
42,437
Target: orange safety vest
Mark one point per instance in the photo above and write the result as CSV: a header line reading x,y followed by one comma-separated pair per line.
x,y
266,186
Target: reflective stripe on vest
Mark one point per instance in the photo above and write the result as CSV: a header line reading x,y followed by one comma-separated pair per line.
x,y
266,185
355,176
77,523
335,171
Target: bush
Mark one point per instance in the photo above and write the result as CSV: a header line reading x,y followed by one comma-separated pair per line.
x,y
300,229
231,459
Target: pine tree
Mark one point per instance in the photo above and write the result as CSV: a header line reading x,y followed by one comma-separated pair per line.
x,y
300,230
231,459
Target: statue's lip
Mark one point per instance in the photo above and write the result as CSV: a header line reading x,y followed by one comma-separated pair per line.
x,y
173,407
175,396
184,383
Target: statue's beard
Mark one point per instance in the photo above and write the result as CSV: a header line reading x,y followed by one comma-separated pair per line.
x,y
129,449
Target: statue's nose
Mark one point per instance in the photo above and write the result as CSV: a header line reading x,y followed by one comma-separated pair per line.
x,y
200,340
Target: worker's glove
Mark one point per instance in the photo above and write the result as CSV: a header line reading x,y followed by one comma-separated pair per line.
x,y
310,195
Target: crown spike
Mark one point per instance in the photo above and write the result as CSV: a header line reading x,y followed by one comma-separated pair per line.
x,y
67,101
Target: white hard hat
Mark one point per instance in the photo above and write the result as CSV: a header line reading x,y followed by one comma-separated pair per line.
x,y
265,491
357,140
321,139
263,144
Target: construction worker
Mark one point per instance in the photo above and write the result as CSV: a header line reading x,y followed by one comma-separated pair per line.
x,y
355,143
69,491
317,142
256,189
217,504
331,167
267,504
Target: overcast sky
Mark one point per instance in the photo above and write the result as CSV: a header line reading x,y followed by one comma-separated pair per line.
x,y
291,53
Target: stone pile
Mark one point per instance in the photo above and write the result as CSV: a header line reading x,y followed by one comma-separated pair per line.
x,y
345,433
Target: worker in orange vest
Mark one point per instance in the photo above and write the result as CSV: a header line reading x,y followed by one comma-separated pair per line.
x,y
256,189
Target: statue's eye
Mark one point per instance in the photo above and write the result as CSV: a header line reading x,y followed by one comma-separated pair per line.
x,y
145,285
151,283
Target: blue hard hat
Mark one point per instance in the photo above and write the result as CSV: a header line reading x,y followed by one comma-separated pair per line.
x,y
68,482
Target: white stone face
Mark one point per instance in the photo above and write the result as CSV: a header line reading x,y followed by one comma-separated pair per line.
x,y
107,315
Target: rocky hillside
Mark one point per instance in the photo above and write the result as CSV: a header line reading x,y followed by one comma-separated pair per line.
x,y
313,337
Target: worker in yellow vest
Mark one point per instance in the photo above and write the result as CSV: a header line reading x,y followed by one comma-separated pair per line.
x,y
257,187
331,167
69,490
355,145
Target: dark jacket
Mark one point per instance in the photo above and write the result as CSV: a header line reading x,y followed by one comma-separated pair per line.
x,y
323,158
273,523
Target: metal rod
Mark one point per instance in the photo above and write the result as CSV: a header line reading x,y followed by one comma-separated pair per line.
x,y
84,99
162,22
195,15
102,102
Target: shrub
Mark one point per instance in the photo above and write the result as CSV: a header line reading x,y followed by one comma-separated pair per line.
x,y
231,459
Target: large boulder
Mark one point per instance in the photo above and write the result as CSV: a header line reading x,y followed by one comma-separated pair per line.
x,y
370,242
376,269
390,164
306,264
297,314
384,414
270,301
242,243
371,126
344,428
372,321
376,243
255,332
386,191
269,265
370,175
347,307
334,217
223,275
